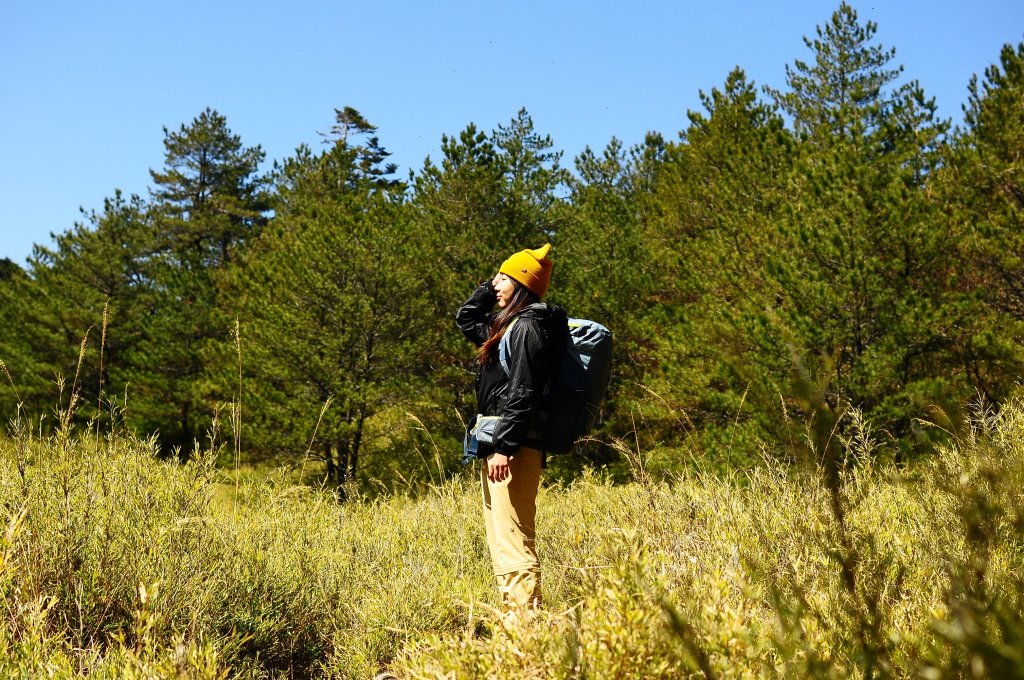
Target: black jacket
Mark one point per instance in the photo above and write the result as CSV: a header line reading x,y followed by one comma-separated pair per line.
x,y
536,344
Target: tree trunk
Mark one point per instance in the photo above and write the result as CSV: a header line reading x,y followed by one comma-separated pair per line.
x,y
341,470
329,459
357,440
344,456
186,430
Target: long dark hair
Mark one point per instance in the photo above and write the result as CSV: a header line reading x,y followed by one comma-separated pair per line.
x,y
522,297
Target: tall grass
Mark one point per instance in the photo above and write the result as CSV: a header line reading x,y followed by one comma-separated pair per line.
x,y
114,563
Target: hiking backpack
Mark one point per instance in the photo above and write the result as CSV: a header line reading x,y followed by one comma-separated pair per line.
x,y
573,396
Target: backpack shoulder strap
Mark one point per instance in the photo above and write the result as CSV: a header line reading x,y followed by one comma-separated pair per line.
x,y
503,345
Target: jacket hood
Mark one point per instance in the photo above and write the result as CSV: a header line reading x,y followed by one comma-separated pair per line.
x,y
550,317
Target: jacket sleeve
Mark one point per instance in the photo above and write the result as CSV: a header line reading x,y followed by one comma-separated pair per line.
x,y
474,316
528,375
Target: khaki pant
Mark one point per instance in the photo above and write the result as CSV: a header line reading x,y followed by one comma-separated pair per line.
x,y
510,513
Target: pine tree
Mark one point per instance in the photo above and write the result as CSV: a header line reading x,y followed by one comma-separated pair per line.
x,y
330,307
983,192
604,266
842,95
8,269
209,195
863,271
533,181
370,156
88,287
716,200
993,144
209,202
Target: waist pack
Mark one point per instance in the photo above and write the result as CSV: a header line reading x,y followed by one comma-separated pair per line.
x,y
573,396
480,430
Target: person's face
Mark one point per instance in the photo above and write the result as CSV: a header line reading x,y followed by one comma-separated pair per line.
x,y
504,287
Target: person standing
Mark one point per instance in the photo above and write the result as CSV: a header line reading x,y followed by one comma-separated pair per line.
x,y
512,388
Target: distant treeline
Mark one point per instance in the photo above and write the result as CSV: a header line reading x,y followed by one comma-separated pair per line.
x,y
793,254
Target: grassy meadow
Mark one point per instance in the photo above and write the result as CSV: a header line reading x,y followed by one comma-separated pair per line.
x,y
115,563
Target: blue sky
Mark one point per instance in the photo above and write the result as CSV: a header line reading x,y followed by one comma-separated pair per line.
x,y
87,87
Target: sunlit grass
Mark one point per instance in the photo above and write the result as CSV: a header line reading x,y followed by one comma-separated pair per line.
x,y
114,563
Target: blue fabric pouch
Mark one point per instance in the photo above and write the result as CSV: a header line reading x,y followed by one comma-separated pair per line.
x,y
480,430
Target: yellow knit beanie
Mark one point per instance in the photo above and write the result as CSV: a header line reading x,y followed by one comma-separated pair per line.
x,y
532,268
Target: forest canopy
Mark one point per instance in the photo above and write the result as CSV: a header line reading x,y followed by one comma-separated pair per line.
x,y
795,254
